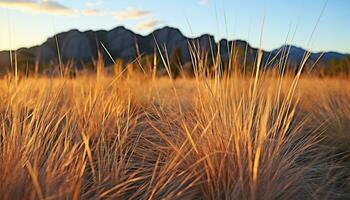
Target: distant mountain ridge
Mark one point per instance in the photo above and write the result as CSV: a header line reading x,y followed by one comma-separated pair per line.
x,y
82,47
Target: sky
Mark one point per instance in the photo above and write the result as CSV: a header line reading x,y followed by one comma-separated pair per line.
x,y
317,25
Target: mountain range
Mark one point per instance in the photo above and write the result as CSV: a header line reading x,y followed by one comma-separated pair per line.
x,y
83,47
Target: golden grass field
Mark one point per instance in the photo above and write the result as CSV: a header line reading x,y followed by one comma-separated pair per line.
x,y
139,138
99,136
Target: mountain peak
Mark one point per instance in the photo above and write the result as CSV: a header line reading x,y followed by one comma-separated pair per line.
x,y
120,42
167,30
119,28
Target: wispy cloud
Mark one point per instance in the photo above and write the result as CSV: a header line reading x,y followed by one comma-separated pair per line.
x,y
93,3
204,2
132,13
146,25
38,6
93,12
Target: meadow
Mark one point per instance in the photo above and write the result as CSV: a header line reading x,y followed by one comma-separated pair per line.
x,y
258,136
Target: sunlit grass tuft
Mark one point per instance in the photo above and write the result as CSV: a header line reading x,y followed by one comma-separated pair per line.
x,y
218,136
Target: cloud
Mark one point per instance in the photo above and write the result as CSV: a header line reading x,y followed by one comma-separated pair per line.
x,y
93,3
132,13
150,24
89,4
92,12
204,2
38,6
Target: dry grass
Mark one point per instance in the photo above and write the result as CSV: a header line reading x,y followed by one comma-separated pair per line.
x,y
230,137
221,139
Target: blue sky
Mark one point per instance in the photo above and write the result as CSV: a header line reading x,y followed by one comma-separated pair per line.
x,y
29,22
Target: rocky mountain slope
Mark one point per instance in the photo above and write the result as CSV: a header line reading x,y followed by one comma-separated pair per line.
x,y
82,47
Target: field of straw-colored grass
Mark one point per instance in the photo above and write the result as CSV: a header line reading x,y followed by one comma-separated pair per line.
x,y
201,138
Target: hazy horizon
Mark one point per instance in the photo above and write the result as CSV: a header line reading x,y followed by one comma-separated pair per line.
x,y
28,22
